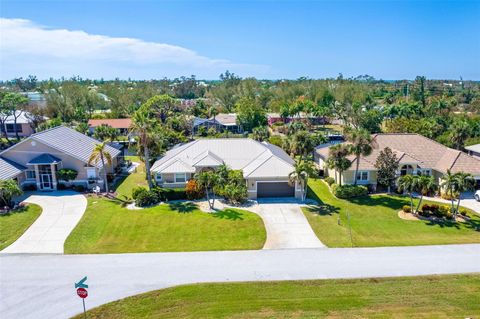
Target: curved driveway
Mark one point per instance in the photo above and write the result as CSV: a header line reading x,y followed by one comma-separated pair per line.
x,y
43,286
61,211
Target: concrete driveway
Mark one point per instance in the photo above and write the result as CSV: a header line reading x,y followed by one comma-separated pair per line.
x,y
42,286
286,225
467,201
61,211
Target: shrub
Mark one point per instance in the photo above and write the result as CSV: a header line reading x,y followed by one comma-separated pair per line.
x,y
110,177
424,213
464,213
138,190
426,207
330,180
79,188
235,193
275,140
29,187
407,208
166,194
434,208
67,174
349,191
193,190
449,216
61,186
146,198
447,196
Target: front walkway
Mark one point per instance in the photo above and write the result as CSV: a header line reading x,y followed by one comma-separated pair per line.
x,y
61,211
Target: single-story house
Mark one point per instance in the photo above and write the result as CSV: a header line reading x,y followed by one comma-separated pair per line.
x,y
473,150
416,155
36,99
23,125
222,122
122,125
273,118
36,159
265,167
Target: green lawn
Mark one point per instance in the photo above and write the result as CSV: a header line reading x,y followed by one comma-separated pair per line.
x,y
13,225
374,222
124,187
411,297
107,227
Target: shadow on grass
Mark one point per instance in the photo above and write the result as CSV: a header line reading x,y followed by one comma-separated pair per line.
x,y
229,214
393,202
321,208
183,207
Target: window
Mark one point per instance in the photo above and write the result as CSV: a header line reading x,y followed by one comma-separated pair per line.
x,y
158,176
12,128
406,169
91,173
180,177
30,174
362,176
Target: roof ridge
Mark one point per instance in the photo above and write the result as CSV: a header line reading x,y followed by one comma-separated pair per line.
x,y
258,166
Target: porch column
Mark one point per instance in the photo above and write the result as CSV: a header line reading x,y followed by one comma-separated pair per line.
x,y
54,175
37,176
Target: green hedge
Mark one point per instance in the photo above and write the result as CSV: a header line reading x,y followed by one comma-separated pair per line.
x,y
349,191
144,197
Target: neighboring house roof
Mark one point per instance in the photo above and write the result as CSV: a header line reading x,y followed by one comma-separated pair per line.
x,y
23,118
227,119
254,158
415,149
44,159
115,123
68,141
473,148
9,169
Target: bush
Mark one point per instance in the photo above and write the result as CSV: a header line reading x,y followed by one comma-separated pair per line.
x,y
138,190
449,216
61,186
193,190
235,193
275,140
166,194
426,207
434,207
329,180
79,188
146,198
349,191
29,187
407,208
464,213
425,213
67,174
447,196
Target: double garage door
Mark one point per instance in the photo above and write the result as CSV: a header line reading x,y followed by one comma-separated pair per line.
x,y
275,189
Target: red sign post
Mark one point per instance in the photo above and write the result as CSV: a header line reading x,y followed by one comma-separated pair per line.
x,y
82,293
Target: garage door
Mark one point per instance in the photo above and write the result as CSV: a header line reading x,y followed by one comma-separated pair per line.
x,y
275,189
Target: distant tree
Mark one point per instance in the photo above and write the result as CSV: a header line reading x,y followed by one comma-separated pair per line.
x,y
12,105
460,130
250,114
82,128
420,92
105,132
260,133
100,154
302,143
387,166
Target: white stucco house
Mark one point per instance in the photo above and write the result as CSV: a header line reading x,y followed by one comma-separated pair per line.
x,y
265,167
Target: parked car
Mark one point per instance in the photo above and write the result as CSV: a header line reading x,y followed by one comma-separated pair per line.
x,y
477,195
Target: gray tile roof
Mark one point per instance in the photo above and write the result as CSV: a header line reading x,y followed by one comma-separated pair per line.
x,y
71,142
9,169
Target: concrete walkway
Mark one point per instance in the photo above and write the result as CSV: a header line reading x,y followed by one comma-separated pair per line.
x,y
42,286
61,212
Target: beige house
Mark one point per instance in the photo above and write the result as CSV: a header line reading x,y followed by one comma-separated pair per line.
x,y
22,126
416,155
265,167
37,159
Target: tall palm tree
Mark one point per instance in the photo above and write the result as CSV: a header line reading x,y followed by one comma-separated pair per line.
x,y
361,145
424,185
100,154
465,183
337,160
450,185
407,184
300,175
142,125
208,180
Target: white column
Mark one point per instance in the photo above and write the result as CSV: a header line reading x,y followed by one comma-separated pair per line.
x,y
37,176
54,176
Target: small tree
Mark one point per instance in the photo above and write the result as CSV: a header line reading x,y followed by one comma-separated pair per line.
x,y
387,166
407,185
361,145
105,132
208,180
260,133
337,160
450,184
300,175
424,185
8,189
465,183
100,154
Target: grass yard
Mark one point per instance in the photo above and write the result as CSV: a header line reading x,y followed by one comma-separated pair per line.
x,y
107,227
124,187
374,222
411,297
13,225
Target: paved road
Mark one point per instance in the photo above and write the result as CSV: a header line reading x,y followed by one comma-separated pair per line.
x,y
286,225
61,211
42,286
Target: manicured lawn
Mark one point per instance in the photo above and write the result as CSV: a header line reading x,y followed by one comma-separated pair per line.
x,y
107,227
125,186
412,297
13,225
374,222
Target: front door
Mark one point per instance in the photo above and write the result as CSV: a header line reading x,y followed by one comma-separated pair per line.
x,y
46,182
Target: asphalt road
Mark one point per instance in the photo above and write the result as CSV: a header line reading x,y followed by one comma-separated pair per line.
x,y
42,286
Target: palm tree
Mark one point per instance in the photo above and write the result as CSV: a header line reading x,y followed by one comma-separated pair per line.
x,y
100,154
300,175
337,160
407,184
450,185
361,145
424,184
142,125
465,183
208,180
8,189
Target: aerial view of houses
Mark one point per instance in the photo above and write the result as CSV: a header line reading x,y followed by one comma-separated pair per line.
x,y
239,159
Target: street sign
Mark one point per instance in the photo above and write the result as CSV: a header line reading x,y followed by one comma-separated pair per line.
x,y
82,293
81,283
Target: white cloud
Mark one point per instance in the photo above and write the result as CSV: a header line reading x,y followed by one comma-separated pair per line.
x,y
28,48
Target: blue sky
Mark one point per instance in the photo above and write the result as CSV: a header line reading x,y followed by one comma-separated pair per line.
x,y
266,39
